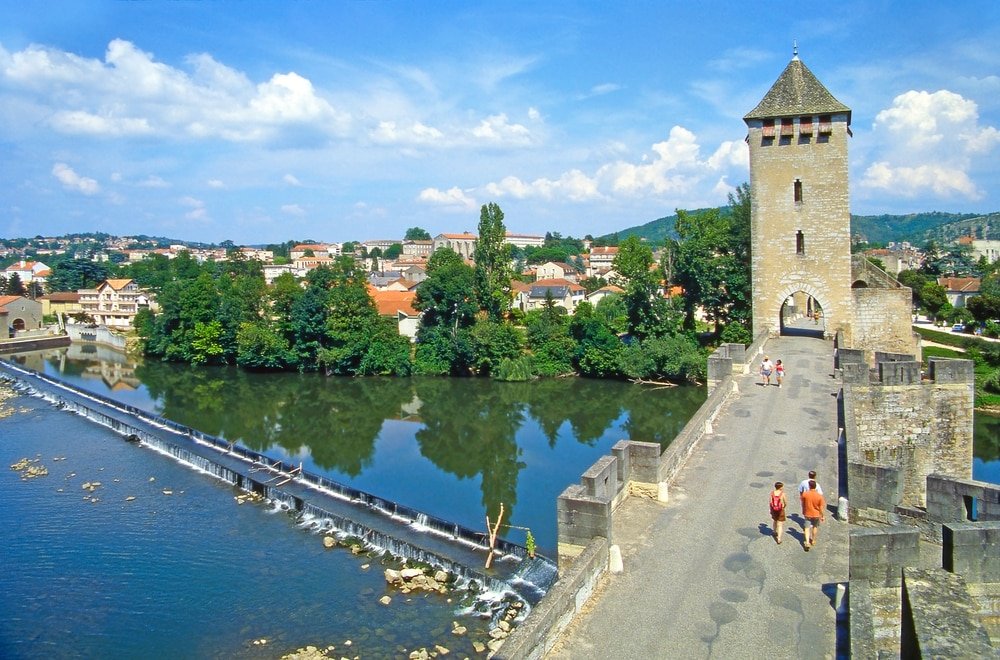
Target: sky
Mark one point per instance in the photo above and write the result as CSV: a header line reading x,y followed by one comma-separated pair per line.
x,y
261,122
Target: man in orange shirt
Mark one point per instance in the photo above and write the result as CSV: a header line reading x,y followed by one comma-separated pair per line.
x,y
814,511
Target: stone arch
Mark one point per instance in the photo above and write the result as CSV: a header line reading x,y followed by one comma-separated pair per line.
x,y
18,324
811,291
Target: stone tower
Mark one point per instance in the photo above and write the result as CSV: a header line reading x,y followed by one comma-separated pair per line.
x,y
800,211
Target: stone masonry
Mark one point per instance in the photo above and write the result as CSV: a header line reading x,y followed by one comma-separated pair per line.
x,y
800,213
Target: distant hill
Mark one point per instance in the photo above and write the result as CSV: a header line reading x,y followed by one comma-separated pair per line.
x,y
917,228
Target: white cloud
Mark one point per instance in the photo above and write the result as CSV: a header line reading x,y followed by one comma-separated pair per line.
x,y
414,133
153,181
906,181
291,180
928,144
197,212
131,94
497,129
73,181
453,198
534,114
675,169
215,183
293,209
599,90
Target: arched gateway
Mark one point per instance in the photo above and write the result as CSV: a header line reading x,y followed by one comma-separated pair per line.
x,y
800,213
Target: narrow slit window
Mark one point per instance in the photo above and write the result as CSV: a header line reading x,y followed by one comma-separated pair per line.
x,y
797,191
800,242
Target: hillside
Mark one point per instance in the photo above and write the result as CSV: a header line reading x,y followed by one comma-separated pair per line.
x,y
917,228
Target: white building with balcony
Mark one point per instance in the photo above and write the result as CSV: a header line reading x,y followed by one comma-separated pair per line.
x,y
114,303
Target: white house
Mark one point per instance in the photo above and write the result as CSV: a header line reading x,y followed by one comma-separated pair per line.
x,y
114,303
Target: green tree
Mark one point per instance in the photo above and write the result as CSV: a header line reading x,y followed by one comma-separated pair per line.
x,y
75,274
634,262
492,343
934,297
713,261
492,256
394,251
14,285
598,349
417,234
259,345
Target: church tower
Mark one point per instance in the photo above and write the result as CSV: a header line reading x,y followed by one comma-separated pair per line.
x,y
800,206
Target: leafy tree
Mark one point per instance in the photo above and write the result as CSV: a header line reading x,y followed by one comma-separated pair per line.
x,y
394,251
417,234
548,340
75,274
634,262
598,349
915,280
934,297
261,346
713,261
206,343
307,323
492,257
447,296
14,285
492,343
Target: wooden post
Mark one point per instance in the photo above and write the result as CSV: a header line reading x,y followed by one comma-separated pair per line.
x,y
493,534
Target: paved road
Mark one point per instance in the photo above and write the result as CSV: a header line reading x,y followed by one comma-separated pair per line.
x,y
703,577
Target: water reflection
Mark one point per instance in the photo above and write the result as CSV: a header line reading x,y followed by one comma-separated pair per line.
x,y
514,441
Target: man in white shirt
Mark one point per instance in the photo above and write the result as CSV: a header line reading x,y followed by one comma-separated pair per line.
x,y
804,486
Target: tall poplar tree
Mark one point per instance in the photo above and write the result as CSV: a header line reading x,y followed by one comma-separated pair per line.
x,y
493,272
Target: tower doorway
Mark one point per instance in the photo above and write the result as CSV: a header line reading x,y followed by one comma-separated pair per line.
x,y
802,316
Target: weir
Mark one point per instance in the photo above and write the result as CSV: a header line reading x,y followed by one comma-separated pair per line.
x,y
321,504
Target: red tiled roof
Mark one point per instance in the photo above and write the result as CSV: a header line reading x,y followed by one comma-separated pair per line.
x,y
960,284
390,303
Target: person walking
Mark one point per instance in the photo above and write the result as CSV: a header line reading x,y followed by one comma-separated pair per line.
x,y
814,511
779,372
766,367
804,486
777,505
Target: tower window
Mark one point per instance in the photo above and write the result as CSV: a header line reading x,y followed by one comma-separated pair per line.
x,y
797,191
800,242
825,124
787,128
768,128
805,126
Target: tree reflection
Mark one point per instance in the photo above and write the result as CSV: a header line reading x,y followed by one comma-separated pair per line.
x,y
475,433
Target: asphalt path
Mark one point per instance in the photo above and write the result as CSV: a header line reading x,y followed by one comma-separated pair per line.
x,y
703,576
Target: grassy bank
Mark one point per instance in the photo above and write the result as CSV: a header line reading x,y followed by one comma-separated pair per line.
x,y
985,355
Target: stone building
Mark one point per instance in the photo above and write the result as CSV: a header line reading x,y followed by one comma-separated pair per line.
x,y
801,222
800,209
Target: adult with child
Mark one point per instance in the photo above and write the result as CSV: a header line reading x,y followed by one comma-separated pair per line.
x,y
777,505
814,511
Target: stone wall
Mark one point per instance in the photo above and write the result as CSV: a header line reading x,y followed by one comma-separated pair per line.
x,y
897,420
882,321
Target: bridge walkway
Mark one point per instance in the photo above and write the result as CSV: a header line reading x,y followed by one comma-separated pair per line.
x,y
703,578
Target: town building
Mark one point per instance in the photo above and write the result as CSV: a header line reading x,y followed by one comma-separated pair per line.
x,y
19,314
524,240
556,270
416,248
28,271
60,303
959,289
562,292
464,244
399,306
601,260
114,303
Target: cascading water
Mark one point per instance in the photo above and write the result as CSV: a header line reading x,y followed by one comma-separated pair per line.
x,y
324,505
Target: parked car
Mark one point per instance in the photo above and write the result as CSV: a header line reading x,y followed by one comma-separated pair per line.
x,y
958,327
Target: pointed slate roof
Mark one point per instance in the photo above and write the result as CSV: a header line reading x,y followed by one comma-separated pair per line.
x,y
797,92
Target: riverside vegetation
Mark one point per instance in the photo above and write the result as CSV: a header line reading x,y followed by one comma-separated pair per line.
x,y
223,313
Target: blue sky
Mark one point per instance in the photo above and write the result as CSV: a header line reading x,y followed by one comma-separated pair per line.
x,y
268,121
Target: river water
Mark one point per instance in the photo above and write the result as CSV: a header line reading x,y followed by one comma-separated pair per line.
x,y
117,578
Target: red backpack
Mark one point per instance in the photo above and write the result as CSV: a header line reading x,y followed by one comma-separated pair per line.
x,y
776,503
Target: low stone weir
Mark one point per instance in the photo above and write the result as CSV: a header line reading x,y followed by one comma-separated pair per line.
x,y
322,504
